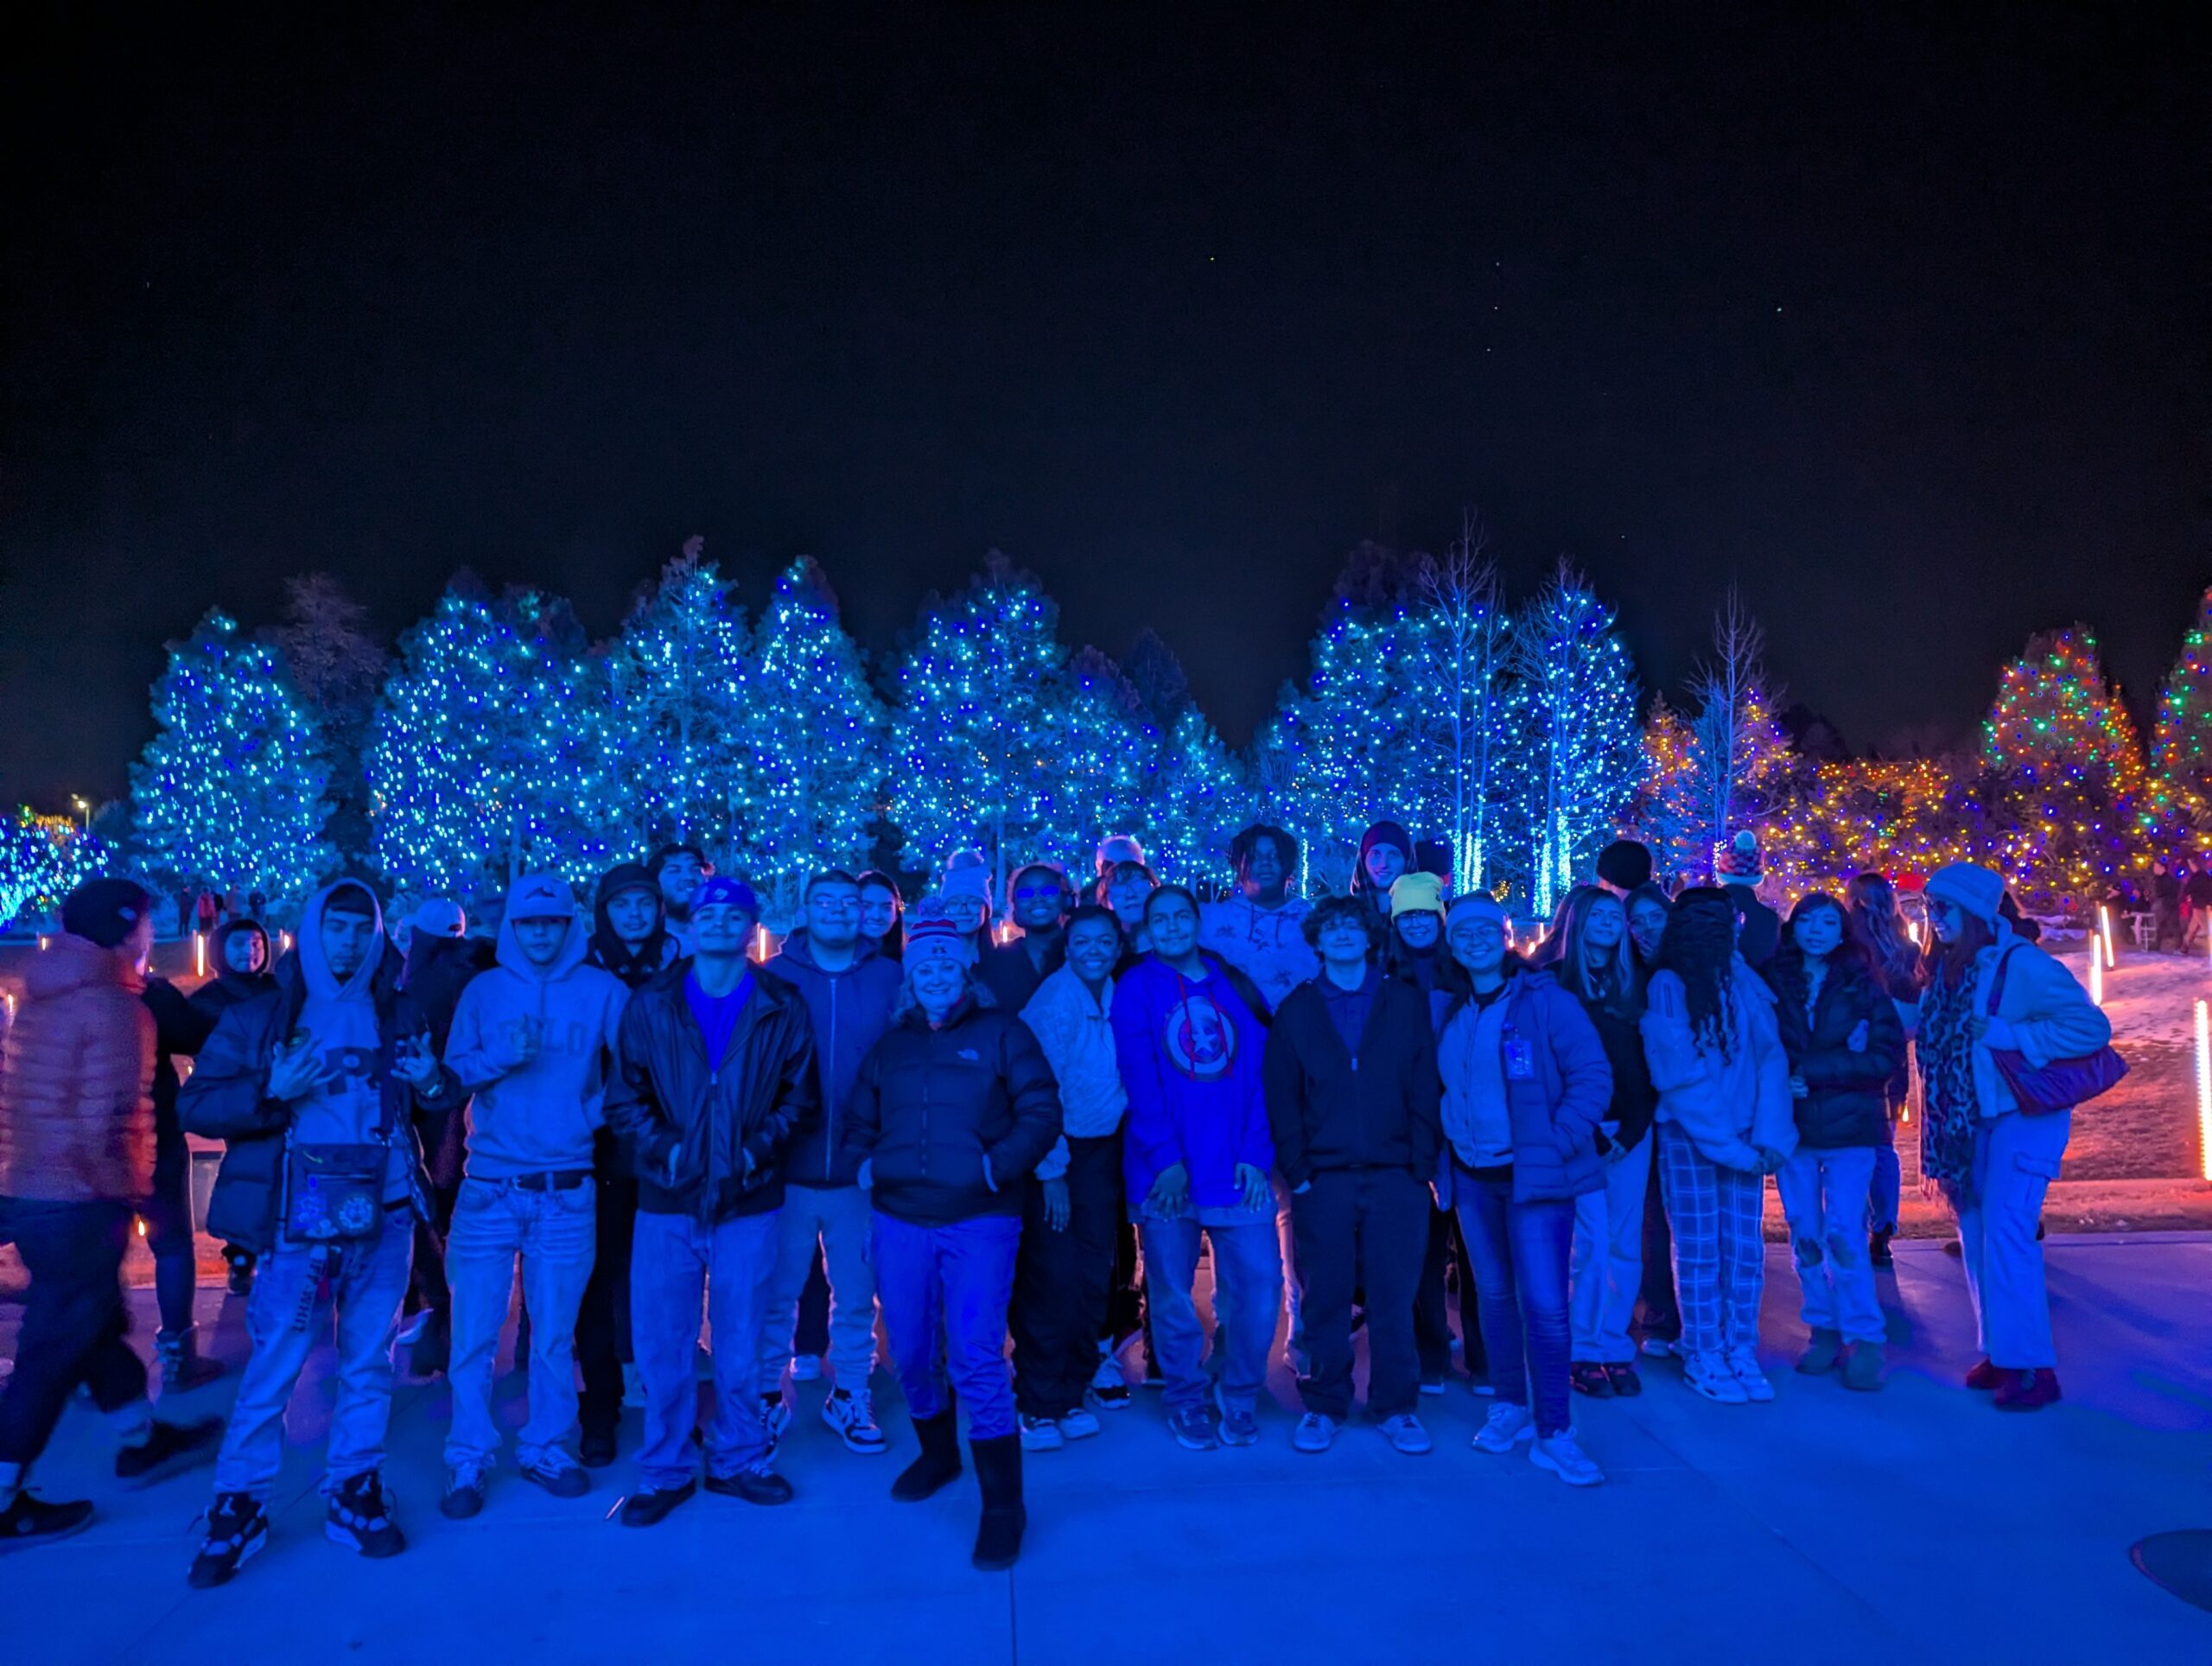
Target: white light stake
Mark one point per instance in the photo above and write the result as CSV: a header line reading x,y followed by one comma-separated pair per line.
x,y
2104,931
2096,979
198,955
2203,1091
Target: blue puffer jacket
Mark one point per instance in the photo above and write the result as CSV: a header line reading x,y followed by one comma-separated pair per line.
x,y
1555,1104
851,1010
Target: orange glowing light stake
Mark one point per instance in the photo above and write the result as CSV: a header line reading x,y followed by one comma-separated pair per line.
x,y
2203,1091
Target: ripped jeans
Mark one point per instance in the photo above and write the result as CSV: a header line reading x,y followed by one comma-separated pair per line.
x,y
1824,1198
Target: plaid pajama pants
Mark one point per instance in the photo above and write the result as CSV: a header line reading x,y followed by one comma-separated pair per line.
x,y
1719,1252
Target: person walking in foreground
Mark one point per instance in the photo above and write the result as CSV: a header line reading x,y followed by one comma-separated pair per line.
x,y
534,1040
849,990
951,1112
717,1082
1840,1031
1064,1276
1525,1086
1726,1123
1598,968
1996,1009
1189,1038
76,1156
314,1085
1351,1095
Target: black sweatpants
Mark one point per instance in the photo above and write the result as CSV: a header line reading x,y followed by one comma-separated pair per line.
x,y
1432,1305
74,1321
603,1320
1365,1228
1062,1280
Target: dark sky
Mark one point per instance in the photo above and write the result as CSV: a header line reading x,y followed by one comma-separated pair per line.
x,y
1897,316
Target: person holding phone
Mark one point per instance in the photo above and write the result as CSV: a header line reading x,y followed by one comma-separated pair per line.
x,y
314,1085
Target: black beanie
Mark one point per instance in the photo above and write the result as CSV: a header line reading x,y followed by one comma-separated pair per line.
x,y
104,910
1625,864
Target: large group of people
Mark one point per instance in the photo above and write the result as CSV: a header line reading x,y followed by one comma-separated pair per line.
x,y
957,1127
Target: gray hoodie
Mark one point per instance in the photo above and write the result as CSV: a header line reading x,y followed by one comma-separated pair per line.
x,y
539,1116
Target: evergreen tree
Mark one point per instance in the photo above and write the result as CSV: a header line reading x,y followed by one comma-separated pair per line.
x,y
680,688
486,756
973,725
1579,751
42,859
337,664
230,792
1105,752
1668,811
817,730
2182,749
1200,800
1466,704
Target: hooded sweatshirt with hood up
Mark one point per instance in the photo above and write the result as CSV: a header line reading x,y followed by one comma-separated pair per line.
x,y
536,1116
649,959
338,1022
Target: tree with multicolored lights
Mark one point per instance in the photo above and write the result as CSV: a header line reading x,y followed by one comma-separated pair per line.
x,y
1745,771
1667,810
232,791
972,725
815,731
42,859
680,687
1579,751
486,757
2182,741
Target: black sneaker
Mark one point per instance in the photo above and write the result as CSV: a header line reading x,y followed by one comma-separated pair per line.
x,y
596,1450
464,1493
558,1474
1878,1248
236,1528
757,1486
648,1508
171,1447
29,1521
240,1279
360,1518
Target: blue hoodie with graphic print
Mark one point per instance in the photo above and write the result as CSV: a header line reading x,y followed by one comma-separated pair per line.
x,y
1190,1051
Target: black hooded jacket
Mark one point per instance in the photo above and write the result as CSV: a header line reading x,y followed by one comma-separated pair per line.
x,y
635,967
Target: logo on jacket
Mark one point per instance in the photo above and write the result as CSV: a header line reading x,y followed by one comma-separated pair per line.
x,y
971,1055
1200,1039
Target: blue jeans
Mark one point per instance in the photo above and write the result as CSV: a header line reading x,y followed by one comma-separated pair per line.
x,y
555,1235
2015,1160
1824,1198
944,1292
836,1216
1521,1252
678,1265
1247,1300
285,1318
74,1321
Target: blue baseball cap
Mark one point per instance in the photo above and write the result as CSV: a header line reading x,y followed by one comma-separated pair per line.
x,y
724,892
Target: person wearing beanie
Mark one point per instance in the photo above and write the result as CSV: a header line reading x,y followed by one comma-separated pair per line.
x,y
77,1156
849,990
1039,899
1414,947
1725,1123
1758,928
952,1113
679,870
630,939
1623,866
716,1083
1351,1094
1386,850
1259,929
1189,1034
966,896
314,1086
534,1041
1525,1088
1433,856
1989,992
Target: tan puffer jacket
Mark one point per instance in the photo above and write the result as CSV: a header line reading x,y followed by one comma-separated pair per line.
x,y
76,1080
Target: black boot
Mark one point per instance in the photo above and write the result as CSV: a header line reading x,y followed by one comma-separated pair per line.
x,y
998,1474
940,1463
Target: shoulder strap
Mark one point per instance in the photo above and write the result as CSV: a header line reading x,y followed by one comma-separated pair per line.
x,y
1997,984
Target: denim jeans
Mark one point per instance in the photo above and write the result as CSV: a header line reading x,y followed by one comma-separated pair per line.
x,y
1886,1195
680,1266
944,1291
167,1215
74,1321
2015,1160
1720,1249
555,1234
285,1317
838,1217
1521,1252
1247,1300
1607,1268
1824,1198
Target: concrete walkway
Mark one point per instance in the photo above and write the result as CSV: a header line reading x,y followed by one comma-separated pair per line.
x,y
1915,1525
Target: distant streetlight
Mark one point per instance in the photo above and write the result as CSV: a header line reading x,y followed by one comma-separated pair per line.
x,y
84,809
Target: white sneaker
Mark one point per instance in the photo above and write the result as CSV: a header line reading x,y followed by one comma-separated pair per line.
x,y
1041,1434
1405,1434
806,1368
1709,1374
776,1413
1744,1365
1507,1427
1079,1424
853,1416
1659,1348
1560,1455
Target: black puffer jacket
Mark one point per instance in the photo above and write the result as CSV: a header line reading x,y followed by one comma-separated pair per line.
x,y
1848,1104
729,1124
932,1103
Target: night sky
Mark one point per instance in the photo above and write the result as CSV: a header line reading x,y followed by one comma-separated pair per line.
x,y
1897,317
